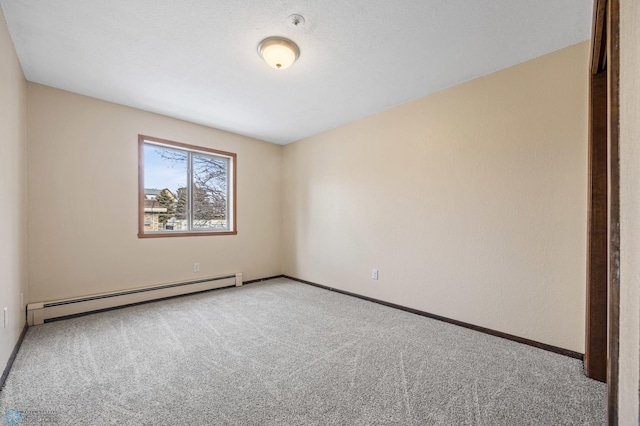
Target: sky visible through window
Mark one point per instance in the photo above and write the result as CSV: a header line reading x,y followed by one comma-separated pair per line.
x,y
161,173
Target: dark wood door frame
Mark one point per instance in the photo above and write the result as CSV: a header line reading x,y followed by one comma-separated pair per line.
x,y
603,248
595,356
613,126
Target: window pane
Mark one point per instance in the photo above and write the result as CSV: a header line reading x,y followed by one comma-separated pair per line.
x,y
209,192
188,190
165,178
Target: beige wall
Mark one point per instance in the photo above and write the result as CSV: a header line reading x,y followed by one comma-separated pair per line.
x,y
83,190
13,168
470,202
629,213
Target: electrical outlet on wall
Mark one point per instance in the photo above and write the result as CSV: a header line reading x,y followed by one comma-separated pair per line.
x,y
196,267
374,274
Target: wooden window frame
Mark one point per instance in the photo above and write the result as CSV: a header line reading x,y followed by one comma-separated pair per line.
x,y
233,229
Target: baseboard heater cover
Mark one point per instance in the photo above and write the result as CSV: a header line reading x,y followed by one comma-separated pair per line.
x,y
37,313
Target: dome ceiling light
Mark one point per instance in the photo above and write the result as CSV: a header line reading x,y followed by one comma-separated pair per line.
x,y
279,52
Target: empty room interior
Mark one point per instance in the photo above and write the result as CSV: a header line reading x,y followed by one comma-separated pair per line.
x,y
320,212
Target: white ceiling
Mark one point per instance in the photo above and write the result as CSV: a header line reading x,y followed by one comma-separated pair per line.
x,y
197,60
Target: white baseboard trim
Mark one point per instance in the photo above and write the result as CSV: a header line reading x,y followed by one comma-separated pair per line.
x,y
37,313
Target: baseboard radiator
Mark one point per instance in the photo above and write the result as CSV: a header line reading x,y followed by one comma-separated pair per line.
x,y
38,313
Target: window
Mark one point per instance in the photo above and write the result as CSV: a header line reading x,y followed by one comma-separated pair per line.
x,y
184,190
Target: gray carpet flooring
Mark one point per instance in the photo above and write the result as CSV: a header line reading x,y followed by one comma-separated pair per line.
x,y
285,353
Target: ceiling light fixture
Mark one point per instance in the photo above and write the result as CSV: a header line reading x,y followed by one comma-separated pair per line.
x,y
280,53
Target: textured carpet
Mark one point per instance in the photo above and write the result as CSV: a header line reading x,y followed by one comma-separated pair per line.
x,y
285,353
